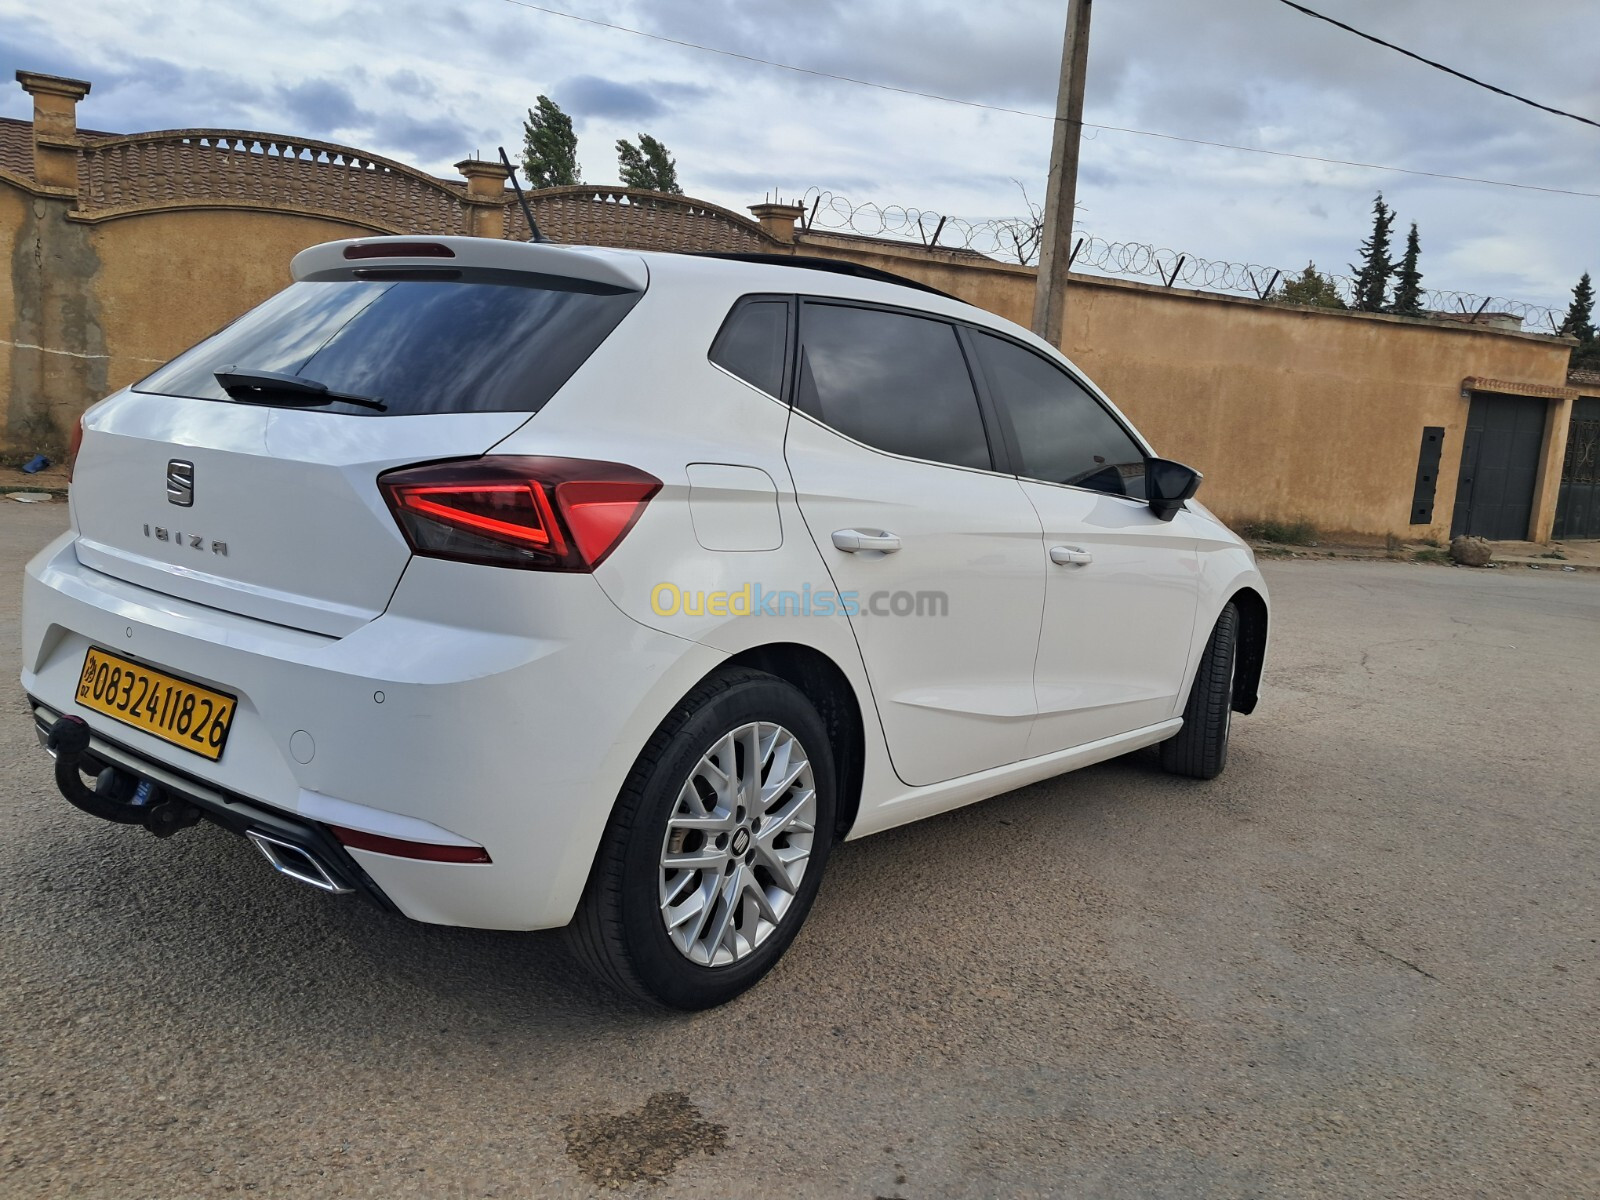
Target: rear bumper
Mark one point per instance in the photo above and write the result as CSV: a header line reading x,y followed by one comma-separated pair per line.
x,y
232,812
490,707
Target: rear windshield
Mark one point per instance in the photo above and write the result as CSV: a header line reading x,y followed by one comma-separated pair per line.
x,y
484,342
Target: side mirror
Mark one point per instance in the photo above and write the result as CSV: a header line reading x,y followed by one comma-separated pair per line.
x,y
1167,485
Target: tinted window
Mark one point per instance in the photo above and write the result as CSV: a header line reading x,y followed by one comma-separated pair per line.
x,y
754,344
1063,434
895,382
420,346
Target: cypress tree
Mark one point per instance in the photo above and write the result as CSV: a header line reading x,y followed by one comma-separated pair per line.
x,y
1408,279
1372,273
1580,313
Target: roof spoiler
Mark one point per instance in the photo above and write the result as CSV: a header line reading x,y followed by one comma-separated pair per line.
x,y
836,266
336,260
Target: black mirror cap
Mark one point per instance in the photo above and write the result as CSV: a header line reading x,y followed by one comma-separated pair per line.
x,y
1168,484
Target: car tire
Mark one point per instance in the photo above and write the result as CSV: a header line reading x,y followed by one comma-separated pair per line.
x,y
678,806
1200,749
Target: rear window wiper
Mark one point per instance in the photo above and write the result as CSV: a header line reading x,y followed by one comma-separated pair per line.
x,y
252,387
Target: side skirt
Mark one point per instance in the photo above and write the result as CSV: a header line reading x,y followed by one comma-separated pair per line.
x,y
917,803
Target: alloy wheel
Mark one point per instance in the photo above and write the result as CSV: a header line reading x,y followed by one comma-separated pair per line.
x,y
737,844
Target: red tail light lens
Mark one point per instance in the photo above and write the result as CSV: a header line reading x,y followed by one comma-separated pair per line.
x,y
540,514
403,848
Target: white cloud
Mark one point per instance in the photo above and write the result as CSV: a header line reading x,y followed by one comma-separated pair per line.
x,y
428,83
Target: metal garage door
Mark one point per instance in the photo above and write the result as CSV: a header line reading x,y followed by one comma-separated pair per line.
x,y
1499,467
1578,506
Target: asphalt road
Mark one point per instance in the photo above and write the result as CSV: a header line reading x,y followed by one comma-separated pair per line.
x,y
1362,963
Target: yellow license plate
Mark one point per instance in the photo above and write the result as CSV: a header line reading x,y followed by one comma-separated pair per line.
x,y
172,709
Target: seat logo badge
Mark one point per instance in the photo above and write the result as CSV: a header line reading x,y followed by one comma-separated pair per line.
x,y
180,483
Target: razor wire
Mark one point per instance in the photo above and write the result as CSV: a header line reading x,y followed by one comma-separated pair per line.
x,y
1016,240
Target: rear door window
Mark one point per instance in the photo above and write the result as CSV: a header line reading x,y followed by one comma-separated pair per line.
x,y
893,381
468,341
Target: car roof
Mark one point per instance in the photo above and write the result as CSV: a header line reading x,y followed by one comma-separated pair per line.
x,y
824,278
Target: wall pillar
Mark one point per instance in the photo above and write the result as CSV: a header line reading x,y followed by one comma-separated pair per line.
x,y
1552,456
778,220
55,126
57,362
486,197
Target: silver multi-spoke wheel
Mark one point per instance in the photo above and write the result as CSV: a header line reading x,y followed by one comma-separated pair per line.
x,y
717,843
737,844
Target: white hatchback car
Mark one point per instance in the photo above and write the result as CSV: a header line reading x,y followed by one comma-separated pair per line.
x,y
523,586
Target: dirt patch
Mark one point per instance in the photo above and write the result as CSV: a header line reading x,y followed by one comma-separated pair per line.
x,y
642,1146
52,479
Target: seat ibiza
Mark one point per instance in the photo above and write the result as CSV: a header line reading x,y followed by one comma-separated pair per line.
x,y
526,586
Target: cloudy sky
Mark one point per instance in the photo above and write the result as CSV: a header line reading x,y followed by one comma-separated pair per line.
x,y
429,82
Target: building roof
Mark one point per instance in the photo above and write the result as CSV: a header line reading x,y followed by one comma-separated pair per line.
x,y
119,174
16,145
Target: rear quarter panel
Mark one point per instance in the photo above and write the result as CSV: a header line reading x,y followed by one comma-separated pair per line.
x,y
650,397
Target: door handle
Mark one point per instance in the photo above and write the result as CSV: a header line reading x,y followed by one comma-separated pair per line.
x,y
853,541
1067,556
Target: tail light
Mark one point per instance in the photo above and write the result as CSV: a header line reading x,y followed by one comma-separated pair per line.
x,y
540,514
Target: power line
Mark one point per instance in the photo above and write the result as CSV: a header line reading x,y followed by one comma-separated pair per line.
x,y
1438,66
1020,112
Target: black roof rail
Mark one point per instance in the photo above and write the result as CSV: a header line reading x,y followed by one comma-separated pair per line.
x,y
838,267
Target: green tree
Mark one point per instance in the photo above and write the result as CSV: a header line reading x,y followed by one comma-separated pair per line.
x,y
549,147
1311,289
1580,324
1580,313
647,165
1408,279
1372,273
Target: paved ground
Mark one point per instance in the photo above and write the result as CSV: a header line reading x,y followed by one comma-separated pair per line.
x,y
1362,963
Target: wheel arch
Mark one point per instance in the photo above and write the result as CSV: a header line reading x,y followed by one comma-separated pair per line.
x,y
1252,648
826,686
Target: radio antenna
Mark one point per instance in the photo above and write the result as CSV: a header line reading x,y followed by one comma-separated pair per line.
x,y
533,226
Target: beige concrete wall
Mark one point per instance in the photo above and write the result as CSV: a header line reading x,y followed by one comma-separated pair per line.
x,y
53,335
168,279
13,204
1001,288
95,305
1292,414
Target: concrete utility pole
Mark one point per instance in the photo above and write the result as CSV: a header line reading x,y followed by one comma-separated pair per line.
x,y
1060,198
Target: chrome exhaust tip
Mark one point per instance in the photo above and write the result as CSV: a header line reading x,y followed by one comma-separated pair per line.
x,y
296,862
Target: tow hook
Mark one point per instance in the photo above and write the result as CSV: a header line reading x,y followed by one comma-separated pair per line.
x,y
168,816
116,795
